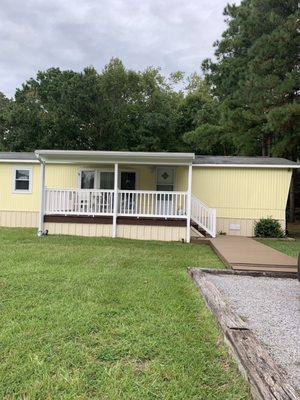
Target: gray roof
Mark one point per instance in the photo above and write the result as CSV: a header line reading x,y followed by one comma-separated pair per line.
x,y
16,156
249,161
199,160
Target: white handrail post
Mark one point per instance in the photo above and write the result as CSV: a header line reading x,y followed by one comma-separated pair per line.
x,y
42,200
189,201
114,227
214,223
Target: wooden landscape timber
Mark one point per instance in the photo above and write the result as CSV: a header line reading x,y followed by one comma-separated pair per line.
x,y
254,274
265,378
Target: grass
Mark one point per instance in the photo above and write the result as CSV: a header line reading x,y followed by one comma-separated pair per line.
x,y
94,318
294,229
291,248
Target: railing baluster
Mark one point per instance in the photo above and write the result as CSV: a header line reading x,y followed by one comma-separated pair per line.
x,y
100,202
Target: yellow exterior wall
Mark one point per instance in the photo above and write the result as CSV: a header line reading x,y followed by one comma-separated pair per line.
x,y
146,176
181,175
68,176
164,233
59,176
19,219
11,201
236,193
249,193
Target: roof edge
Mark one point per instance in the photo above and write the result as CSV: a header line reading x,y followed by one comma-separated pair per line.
x,y
278,166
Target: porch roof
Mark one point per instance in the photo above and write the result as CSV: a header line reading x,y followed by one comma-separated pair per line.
x,y
112,157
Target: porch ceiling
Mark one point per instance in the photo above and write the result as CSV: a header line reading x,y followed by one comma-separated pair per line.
x,y
112,157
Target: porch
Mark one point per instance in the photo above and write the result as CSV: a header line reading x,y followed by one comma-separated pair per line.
x,y
111,195
131,207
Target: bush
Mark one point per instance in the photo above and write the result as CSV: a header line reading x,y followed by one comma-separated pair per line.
x,y
268,227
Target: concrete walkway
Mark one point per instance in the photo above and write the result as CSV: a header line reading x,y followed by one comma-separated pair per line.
x,y
242,253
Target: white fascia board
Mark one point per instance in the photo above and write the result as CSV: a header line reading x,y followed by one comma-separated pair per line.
x,y
18,161
247,166
111,157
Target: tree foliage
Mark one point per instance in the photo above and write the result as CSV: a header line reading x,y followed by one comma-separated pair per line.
x,y
256,77
4,104
117,109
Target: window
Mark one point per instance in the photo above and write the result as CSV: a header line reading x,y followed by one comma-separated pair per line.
x,y
106,180
22,180
87,179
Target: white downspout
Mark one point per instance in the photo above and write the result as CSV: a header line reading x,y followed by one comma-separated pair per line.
x,y
116,201
42,199
189,201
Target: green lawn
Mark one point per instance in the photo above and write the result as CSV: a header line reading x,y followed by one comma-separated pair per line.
x,y
292,248
93,318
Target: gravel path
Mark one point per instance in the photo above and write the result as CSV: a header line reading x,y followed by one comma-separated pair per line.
x,y
271,308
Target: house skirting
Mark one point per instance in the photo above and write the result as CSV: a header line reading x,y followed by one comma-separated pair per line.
x,y
239,226
127,227
19,219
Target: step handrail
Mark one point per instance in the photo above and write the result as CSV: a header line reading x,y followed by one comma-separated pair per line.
x,y
203,215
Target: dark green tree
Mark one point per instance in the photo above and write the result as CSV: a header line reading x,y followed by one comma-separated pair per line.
x,y
199,117
4,104
117,109
256,77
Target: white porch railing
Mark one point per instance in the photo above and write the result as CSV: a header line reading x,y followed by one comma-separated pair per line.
x,y
79,202
204,216
142,203
137,203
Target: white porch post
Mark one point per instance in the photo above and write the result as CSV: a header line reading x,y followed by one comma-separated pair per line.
x,y
114,227
42,199
189,201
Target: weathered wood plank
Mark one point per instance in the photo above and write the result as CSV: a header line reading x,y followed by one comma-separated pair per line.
x,y
266,379
257,274
212,296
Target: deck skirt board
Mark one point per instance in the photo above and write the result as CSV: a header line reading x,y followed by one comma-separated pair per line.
x,y
246,254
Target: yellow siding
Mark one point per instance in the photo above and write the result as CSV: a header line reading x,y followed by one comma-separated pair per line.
x,y
181,179
164,233
246,226
62,176
146,176
99,230
10,201
234,192
68,176
243,192
24,219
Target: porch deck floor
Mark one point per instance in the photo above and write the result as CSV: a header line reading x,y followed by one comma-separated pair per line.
x,y
246,254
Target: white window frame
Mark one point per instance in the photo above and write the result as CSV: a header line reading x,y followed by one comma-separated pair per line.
x,y
29,190
86,169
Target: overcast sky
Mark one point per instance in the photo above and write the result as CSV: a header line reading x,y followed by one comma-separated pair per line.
x,y
72,34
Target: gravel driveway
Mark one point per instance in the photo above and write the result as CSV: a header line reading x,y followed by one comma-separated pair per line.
x,y
271,308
